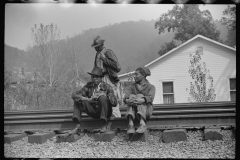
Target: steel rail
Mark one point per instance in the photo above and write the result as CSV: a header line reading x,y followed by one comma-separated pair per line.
x,y
181,114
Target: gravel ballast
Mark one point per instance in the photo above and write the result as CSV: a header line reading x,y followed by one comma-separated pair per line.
x,y
120,147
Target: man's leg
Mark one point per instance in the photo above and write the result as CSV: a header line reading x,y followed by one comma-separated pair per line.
x,y
77,114
141,115
78,108
130,115
104,111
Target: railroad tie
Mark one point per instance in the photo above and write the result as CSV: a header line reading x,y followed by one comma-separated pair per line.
x,y
9,138
40,138
138,136
68,137
174,135
212,134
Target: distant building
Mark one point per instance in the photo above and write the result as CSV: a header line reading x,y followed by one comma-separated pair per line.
x,y
29,77
169,73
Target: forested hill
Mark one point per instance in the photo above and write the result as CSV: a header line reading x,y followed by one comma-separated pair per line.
x,y
14,58
134,43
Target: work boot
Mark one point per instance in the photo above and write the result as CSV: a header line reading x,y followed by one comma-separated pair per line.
x,y
75,130
131,129
141,129
104,127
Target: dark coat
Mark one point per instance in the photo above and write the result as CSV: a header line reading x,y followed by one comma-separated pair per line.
x,y
111,64
148,92
87,91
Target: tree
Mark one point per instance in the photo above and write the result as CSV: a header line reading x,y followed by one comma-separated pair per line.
x,y
167,47
201,90
187,22
50,62
7,77
230,20
231,38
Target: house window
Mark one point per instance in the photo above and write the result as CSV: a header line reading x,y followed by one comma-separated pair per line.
x,y
200,50
232,89
168,96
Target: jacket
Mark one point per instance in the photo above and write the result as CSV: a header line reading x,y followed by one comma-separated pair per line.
x,y
111,64
88,89
148,92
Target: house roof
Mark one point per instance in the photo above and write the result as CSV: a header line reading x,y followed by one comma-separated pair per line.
x,y
185,43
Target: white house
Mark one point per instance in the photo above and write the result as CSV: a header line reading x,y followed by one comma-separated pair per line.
x,y
170,71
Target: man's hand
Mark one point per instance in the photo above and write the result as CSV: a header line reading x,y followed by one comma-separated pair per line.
x,y
99,94
79,98
139,100
84,99
76,97
135,99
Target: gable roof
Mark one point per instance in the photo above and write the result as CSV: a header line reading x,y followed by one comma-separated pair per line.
x,y
185,43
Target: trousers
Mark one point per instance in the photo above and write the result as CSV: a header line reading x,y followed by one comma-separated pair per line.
x,y
138,111
99,110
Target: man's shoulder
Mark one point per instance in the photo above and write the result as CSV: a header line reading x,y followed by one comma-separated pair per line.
x,y
109,51
105,84
89,84
151,85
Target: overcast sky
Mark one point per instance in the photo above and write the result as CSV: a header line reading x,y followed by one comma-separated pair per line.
x,y
72,19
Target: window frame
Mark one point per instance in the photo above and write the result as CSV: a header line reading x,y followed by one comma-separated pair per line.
x,y
229,86
162,94
196,49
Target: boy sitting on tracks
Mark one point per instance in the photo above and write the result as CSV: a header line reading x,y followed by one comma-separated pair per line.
x,y
96,99
139,97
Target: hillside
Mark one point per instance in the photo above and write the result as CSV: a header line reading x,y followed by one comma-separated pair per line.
x,y
14,57
134,43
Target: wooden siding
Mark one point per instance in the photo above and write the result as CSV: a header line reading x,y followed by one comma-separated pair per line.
x,y
174,67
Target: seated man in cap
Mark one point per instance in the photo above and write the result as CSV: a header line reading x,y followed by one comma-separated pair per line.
x,y
107,60
139,97
96,99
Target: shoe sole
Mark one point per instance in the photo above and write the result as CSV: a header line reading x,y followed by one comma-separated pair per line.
x,y
141,131
131,132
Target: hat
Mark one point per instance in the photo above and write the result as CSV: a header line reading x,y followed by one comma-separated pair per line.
x,y
97,71
97,41
146,70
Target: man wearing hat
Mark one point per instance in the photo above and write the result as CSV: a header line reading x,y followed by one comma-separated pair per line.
x,y
96,99
139,97
107,60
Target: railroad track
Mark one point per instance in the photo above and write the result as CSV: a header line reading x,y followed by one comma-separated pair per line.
x,y
177,115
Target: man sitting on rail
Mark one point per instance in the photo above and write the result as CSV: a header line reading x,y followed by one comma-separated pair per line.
x,y
96,99
139,97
